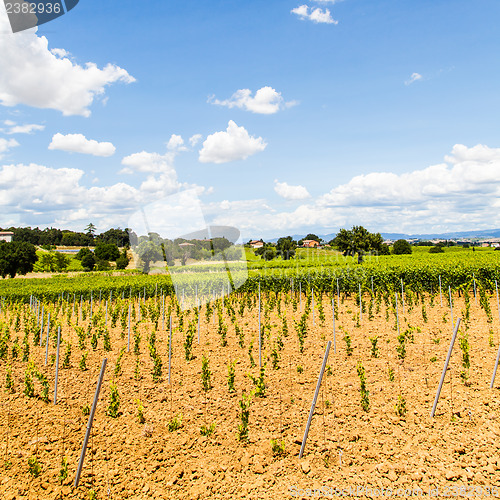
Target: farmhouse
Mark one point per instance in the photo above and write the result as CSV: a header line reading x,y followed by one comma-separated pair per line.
x,y
310,243
6,236
256,244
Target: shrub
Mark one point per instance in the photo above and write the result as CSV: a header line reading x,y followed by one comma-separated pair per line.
x,y
436,249
401,247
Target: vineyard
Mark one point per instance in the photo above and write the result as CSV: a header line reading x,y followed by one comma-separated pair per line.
x,y
211,400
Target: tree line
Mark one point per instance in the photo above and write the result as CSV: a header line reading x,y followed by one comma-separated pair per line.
x,y
49,237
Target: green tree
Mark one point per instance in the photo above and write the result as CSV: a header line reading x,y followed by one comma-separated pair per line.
x,y
17,257
88,262
149,251
384,250
401,247
286,247
47,261
358,241
267,252
82,253
106,251
122,261
90,229
61,261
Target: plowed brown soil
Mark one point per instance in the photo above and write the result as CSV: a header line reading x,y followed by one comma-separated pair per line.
x,y
346,448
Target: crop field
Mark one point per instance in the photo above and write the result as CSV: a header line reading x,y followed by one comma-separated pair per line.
x,y
220,411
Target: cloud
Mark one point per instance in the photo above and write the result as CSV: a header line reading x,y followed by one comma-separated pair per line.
x,y
6,145
35,194
78,143
176,143
195,139
467,172
233,144
415,77
149,163
33,75
266,101
291,192
461,193
316,15
22,129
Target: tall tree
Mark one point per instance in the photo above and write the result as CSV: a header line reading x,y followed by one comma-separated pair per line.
x,y
90,229
149,251
286,247
17,257
358,241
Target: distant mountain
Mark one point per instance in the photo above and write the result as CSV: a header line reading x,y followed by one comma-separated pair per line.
x,y
483,234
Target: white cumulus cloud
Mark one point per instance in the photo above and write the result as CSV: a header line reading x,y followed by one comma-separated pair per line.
x,y
6,145
33,75
316,15
148,162
23,129
233,144
176,143
266,101
291,192
78,143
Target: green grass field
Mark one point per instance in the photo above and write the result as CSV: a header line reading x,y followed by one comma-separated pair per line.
x,y
319,269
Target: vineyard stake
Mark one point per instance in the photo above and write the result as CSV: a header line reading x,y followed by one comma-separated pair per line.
x,y
57,363
403,296
338,295
106,316
397,312
91,304
498,304
312,292
41,328
163,312
199,309
372,287
300,295
498,353
360,305
445,367
440,291
89,424
129,314
313,405
170,350
47,341
333,321
475,297
495,369
451,305
260,335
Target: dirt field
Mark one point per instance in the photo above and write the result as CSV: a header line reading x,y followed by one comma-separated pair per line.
x,y
347,447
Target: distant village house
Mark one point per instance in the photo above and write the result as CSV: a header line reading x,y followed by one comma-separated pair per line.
x,y
6,236
256,244
310,243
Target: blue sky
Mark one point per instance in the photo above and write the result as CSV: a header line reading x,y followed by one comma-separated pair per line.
x,y
285,117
